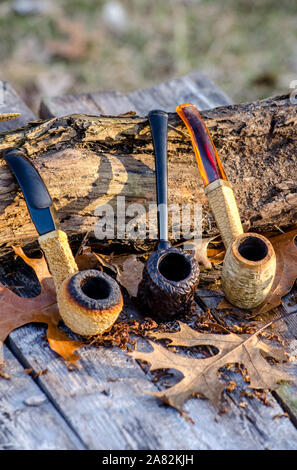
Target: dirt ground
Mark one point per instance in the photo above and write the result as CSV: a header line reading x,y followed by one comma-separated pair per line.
x,y
51,47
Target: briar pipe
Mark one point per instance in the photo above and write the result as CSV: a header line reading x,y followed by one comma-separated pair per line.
x,y
89,301
171,275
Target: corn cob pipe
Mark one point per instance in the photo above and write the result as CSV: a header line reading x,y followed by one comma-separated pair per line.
x,y
89,301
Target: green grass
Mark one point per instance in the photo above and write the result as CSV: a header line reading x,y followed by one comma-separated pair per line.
x,y
246,46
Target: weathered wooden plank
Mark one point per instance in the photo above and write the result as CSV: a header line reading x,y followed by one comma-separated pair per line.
x,y
68,104
105,401
28,420
11,103
166,96
194,88
113,103
206,87
287,393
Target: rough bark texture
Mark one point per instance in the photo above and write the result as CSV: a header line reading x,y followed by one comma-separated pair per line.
x,y
87,161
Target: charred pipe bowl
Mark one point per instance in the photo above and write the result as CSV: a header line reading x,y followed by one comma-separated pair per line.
x,y
89,302
169,282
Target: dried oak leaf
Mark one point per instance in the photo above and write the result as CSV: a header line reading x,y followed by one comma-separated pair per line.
x,y
203,253
87,259
285,247
130,274
17,311
201,375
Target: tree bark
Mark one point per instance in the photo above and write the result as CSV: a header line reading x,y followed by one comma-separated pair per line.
x,y
87,161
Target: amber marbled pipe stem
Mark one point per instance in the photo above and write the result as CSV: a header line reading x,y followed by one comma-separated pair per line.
x,y
216,185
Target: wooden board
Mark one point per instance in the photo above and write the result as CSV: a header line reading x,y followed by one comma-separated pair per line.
x,y
194,87
28,420
11,103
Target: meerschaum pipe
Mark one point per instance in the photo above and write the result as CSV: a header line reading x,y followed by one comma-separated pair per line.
x,y
89,301
170,276
216,185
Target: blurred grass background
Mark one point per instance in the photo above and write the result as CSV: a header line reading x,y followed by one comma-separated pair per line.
x,y
52,47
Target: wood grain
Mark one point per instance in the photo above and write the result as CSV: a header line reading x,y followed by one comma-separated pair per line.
x,y
28,420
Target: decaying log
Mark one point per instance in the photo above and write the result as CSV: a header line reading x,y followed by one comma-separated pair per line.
x,y
88,160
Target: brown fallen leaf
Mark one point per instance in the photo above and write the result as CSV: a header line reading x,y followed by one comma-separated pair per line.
x,y
201,375
130,274
285,247
127,267
203,254
17,311
87,259
224,304
216,255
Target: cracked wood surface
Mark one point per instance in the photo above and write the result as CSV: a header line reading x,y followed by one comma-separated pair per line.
x,y
28,420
